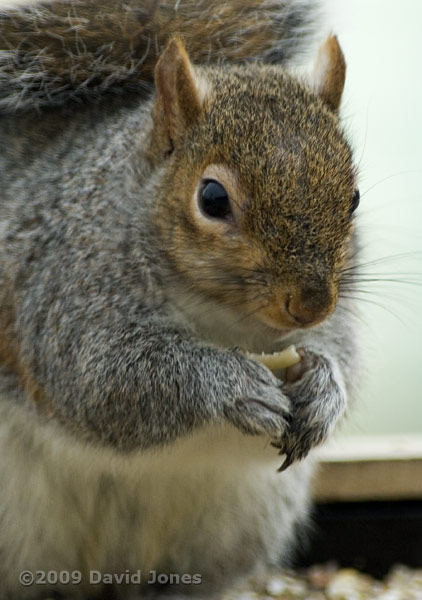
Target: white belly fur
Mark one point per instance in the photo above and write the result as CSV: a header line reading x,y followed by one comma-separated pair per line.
x,y
212,497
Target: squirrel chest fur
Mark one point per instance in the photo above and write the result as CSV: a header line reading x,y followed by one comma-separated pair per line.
x,y
153,230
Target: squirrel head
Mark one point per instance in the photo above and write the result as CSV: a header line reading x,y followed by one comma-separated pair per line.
x,y
256,199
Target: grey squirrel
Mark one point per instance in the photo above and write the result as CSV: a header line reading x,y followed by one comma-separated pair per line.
x,y
172,197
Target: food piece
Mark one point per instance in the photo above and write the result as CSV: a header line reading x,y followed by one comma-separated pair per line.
x,y
278,360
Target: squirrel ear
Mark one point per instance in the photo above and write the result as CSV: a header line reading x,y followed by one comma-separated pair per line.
x,y
180,93
329,73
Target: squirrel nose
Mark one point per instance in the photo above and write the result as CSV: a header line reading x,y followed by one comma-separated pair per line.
x,y
310,305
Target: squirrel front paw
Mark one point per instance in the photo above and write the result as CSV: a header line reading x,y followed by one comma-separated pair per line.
x,y
318,397
259,406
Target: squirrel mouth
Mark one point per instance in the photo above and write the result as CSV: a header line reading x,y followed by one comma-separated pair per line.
x,y
278,332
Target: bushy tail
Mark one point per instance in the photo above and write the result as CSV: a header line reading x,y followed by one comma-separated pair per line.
x,y
51,53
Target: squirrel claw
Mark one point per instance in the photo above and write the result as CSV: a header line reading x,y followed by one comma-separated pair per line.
x,y
286,464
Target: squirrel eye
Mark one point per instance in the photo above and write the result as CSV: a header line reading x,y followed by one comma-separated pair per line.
x,y
214,200
355,201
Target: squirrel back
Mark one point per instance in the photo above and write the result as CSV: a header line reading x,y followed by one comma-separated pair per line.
x,y
66,50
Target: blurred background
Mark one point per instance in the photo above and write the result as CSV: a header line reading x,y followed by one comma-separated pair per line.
x,y
382,114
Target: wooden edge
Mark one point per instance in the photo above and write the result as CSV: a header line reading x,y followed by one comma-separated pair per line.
x,y
370,468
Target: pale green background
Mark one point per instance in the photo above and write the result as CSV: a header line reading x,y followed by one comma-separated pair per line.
x,y
382,112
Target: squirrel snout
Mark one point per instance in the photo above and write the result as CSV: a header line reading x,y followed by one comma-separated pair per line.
x,y
300,306
310,305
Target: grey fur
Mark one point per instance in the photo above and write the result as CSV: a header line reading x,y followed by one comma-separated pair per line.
x,y
150,447
61,271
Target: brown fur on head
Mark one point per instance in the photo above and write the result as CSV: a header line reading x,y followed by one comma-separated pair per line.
x,y
276,146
